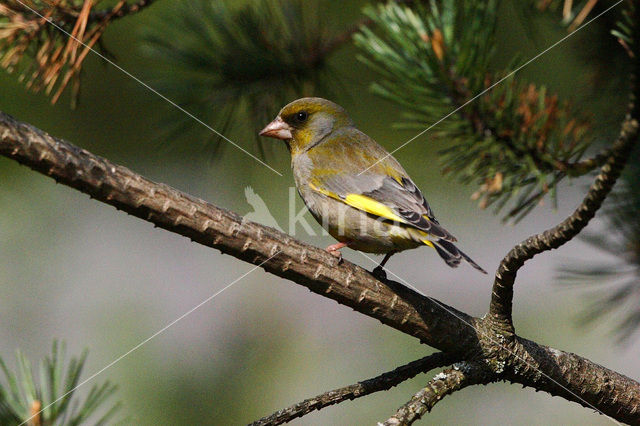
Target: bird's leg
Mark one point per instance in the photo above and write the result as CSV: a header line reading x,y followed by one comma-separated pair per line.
x,y
379,272
334,250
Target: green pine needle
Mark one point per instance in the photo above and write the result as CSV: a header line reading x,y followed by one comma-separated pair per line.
x,y
516,143
51,398
227,63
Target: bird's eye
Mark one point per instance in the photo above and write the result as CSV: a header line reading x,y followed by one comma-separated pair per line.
x,y
301,116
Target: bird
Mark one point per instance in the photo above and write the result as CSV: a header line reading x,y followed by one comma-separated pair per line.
x,y
354,188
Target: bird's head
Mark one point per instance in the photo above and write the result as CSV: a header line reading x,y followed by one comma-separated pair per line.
x,y
305,122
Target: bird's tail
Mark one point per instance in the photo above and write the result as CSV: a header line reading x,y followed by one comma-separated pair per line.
x,y
452,255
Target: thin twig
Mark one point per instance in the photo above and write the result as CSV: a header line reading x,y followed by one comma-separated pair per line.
x,y
582,167
53,62
126,10
382,382
502,295
443,384
425,318
582,15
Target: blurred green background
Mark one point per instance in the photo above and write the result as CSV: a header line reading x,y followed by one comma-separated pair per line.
x,y
75,269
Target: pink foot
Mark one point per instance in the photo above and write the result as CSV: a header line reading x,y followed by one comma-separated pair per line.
x,y
334,250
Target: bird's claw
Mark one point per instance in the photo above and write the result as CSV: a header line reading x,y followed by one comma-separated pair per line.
x,y
334,250
337,254
379,273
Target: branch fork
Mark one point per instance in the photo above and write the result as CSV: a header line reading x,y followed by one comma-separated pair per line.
x,y
494,351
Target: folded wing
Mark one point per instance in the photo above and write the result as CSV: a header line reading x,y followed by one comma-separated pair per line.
x,y
383,196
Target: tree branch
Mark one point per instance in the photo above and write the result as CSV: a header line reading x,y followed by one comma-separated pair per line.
x,y
425,318
445,383
71,14
502,297
382,382
573,378
582,167
429,320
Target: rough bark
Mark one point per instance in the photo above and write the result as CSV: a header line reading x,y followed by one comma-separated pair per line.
x,y
445,383
382,382
502,296
476,340
212,226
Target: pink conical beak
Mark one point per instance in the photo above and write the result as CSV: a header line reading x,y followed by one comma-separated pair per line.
x,y
277,129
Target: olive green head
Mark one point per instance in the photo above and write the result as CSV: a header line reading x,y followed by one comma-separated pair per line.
x,y
305,122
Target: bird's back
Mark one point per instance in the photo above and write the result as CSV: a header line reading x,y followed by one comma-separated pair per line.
x,y
350,149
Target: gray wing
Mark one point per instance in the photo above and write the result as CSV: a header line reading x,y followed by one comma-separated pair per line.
x,y
403,197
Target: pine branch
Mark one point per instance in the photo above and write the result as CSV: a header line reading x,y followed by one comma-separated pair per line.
x,y
562,370
126,10
502,295
390,302
382,382
425,318
443,384
620,278
511,139
572,15
238,63
52,399
614,280
526,141
582,167
47,42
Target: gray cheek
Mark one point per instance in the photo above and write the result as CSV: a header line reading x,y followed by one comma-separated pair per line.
x,y
322,125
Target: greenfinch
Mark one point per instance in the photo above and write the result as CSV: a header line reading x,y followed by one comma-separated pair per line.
x,y
354,188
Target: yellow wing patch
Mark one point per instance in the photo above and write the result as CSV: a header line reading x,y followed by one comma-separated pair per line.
x,y
325,192
428,243
364,203
372,206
